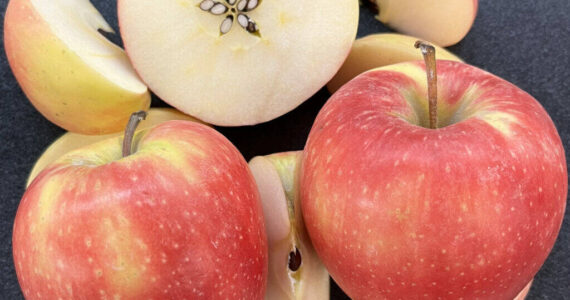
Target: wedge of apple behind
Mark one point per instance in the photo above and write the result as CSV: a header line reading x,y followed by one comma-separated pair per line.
x,y
295,270
71,73
237,62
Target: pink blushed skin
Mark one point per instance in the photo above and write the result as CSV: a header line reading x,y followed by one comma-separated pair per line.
x,y
471,209
180,218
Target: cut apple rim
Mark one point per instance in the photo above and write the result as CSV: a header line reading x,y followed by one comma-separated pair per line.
x,y
233,10
134,121
76,24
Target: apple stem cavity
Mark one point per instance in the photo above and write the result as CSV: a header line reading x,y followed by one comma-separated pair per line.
x,y
134,121
428,51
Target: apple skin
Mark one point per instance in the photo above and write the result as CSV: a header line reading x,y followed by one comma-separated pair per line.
x,y
444,22
60,85
71,141
397,210
180,219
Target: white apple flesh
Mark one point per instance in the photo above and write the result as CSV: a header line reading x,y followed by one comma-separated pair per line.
x,y
237,78
295,270
72,74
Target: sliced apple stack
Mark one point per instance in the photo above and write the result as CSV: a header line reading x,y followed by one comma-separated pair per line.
x,y
72,74
237,62
295,270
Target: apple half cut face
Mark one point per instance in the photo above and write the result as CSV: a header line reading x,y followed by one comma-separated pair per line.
x,y
237,62
295,271
71,73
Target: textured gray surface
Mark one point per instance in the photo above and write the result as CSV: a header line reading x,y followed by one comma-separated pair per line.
x,y
526,42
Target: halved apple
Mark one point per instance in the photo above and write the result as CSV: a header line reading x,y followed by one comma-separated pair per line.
x,y
71,141
237,62
378,50
72,74
295,270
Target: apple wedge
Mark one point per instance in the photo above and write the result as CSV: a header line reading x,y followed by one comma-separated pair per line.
x,y
73,75
71,141
378,50
295,270
444,22
237,62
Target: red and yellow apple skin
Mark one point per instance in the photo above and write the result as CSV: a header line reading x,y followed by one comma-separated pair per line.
x,y
178,219
397,210
72,141
59,83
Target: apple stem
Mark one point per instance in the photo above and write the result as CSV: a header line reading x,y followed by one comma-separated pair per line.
x,y
428,51
134,121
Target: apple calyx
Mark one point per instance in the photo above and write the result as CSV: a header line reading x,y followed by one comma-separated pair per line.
x,y
428,51
233,10
134,121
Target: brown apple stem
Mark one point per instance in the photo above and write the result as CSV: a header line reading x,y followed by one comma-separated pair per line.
x,y
134,121
428,51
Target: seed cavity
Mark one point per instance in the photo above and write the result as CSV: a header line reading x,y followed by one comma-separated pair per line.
x,y
227,24
252,4
295,260
218,9
206,5
241,5
233,9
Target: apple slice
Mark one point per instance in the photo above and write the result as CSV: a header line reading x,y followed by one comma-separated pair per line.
x,y
71,141
72,74
378,50
444,22
295,270
237,62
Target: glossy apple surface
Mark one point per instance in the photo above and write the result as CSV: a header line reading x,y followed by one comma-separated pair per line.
x,y
73,75
470,209
71,141
378,50
444,22
238,77
295,270
180,218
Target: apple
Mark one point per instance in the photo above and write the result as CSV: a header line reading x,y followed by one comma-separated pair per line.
x,y
295,270
73,75
180,218
444,22
468,209
378,50
237,62
71,141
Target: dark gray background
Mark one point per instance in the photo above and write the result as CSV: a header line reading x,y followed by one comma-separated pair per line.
x,y
525,41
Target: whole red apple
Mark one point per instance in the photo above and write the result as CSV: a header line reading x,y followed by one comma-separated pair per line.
x,y
470,209
178,219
